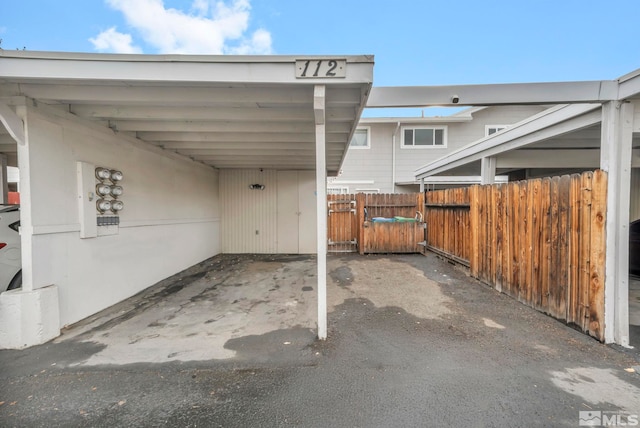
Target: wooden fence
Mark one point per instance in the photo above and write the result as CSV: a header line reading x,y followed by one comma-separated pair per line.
x,y
396,237
447,218
342,223
541,241
350,227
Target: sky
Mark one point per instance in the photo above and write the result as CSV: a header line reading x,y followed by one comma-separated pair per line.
x,y
415,42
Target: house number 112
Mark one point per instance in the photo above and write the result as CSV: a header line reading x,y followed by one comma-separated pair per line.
x,y
321,68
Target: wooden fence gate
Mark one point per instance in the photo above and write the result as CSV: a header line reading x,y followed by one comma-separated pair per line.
x,y
403,235
342,228
375,223
540,241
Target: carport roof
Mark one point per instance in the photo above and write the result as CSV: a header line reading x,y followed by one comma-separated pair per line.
x,y
565,136
224,111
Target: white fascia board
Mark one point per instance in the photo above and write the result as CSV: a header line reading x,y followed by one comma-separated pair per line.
x,y
494,94
469,111
465,115
629,86
26,65
552,122
352,182
82,56
415,120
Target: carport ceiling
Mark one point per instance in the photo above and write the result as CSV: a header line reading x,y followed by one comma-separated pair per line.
x,y
224,111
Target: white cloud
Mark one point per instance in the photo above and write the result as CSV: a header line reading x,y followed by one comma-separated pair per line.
x,y
260,43
211,27
113,41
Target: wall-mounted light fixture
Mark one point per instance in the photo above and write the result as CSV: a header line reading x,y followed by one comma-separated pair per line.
x,y
256,186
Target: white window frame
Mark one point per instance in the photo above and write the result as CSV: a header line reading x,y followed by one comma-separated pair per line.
x,y
368,146
337,190
444,129
367,190
487,127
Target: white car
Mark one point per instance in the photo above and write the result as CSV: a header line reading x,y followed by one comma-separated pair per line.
x,y
10,256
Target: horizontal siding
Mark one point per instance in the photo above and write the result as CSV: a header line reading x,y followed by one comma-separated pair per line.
x,y
371,164
459,135
249,217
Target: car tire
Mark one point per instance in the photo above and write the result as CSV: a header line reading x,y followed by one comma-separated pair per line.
x,y
16,282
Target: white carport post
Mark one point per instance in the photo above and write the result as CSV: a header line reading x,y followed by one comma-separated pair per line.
x,y
615,159
319,102
15,127
488,170
4,185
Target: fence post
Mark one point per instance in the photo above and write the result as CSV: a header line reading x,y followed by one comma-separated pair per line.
x,y
360,218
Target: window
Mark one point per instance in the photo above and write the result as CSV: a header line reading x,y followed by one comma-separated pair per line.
x,y
360,139
424,137
367,190
492,129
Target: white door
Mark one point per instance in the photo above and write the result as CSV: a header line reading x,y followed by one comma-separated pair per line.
x,y
296,212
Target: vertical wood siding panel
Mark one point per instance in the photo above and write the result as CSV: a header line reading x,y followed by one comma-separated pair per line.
x,y
245,211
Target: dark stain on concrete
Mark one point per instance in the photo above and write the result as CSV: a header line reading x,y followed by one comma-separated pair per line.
x,y
342,276
307,288
46,358
277,347
157,324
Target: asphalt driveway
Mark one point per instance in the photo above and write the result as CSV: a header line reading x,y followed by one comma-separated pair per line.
x,y
412,341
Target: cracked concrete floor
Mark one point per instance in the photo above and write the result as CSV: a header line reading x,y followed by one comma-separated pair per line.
x,y
192,317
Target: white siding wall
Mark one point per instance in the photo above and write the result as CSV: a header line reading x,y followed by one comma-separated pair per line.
x,y
249,222
170,220
459,135
371,164
376,163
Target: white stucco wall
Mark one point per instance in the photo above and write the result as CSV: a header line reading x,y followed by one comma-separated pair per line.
x,y
171,218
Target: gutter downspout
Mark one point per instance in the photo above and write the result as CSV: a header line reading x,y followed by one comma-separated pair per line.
x,y
393,159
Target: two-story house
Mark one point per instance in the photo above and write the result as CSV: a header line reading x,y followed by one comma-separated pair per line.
x,y
385,152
